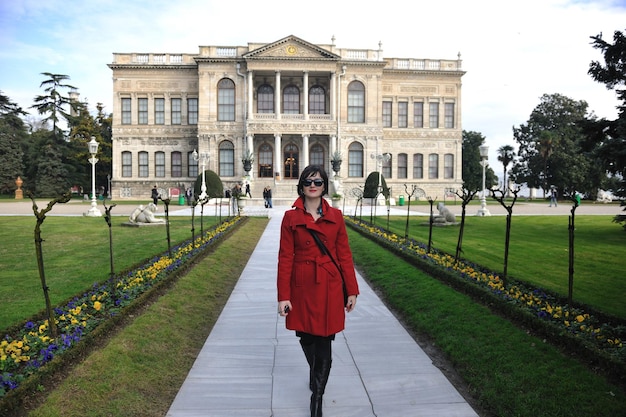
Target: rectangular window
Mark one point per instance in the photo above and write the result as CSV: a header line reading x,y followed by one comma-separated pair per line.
x,y
142,105
143,164
433,166
192,111
192,166
227,162
448,166
418,166
176,111
159,111
126,111
418,114
177,164
402,165
403,114
387,168
387,113
355,164
433,117
448,118
226,105
127,164
159,164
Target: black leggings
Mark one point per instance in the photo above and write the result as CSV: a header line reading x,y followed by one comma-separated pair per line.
x,y
323,349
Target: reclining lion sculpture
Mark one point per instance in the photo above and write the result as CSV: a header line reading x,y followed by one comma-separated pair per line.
x,y
145,215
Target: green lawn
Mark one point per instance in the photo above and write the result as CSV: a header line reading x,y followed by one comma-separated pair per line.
x,y
538,253
76,255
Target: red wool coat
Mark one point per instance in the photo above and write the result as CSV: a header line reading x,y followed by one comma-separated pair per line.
x,y
309,279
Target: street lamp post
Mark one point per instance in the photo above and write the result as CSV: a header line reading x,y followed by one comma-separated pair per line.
x,y
93,150
202,157
484,156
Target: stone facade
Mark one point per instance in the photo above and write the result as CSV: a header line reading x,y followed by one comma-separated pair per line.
x,y
289,103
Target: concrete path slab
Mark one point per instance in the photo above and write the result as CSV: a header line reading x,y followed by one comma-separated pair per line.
x,y
252,366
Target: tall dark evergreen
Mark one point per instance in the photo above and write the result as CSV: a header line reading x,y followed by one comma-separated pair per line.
x,y
12,134
472,169
54,104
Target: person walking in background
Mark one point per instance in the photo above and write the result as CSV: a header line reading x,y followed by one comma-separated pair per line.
x,y
553,196
155,195
309,278
189,195
248,189
267,196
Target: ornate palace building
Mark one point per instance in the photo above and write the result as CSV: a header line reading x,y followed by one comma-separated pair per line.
x,y
288,104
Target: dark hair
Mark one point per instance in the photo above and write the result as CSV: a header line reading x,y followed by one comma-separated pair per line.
x,y
312,170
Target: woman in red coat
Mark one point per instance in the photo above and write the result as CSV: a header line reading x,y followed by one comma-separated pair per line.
x,y
310,293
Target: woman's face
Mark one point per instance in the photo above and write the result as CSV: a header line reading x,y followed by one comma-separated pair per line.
x,y
313,186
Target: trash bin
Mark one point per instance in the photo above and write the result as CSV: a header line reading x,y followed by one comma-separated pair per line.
x,y
400,200
181,200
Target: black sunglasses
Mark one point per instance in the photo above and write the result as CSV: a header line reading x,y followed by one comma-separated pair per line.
x,y
318,183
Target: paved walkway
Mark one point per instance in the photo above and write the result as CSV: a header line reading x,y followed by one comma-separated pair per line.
x,y
251,366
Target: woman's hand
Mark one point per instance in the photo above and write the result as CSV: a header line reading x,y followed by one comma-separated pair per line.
x,y
351,303
284,307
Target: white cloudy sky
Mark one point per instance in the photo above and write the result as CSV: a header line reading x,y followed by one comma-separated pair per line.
x,y
513,52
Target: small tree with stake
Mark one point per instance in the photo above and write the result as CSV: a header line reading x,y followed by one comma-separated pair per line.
x,y
107,218
500,196
41,216
466,196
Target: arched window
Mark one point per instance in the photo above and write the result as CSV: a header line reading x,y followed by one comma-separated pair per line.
x,y
402,165
143,163
192,166
355,160
387,167
433,166
317,100
291,100
127,164
356,102
448,166
265,99
316,155
159,164
418,166
227,159
291,162
226,100
176,159
266,160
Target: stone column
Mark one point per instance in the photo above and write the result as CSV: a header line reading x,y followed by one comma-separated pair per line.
x,y
333,96
277,95
250,96
278,156
305,151
306,94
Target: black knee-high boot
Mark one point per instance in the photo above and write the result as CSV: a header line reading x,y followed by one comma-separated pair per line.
x,y
321,373
309,353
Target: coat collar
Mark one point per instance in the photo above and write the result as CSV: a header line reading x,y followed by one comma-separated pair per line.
x,y
329,214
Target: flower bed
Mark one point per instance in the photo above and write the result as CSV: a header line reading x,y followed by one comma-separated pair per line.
x,y
595,337
28,352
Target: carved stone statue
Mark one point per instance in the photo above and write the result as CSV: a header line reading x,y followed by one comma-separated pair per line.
x,y
145,215
445,215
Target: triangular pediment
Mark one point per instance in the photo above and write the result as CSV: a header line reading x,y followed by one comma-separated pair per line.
x,y
291,47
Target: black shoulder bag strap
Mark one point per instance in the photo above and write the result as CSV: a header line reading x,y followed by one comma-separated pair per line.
x,y
325,251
